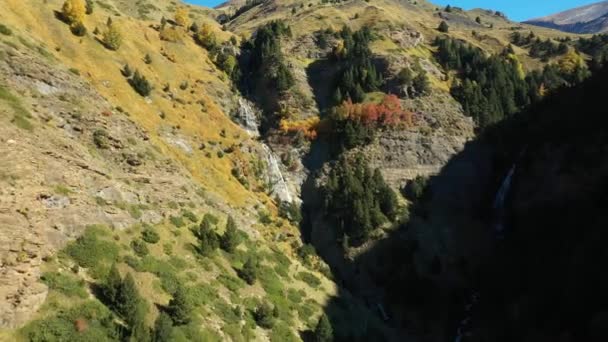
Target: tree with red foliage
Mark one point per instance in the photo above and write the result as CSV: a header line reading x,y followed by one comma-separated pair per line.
x,y
387,113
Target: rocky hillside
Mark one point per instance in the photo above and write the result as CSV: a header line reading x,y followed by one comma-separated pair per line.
x,y
585,19
139,143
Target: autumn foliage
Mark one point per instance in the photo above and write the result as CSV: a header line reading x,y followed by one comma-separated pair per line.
x,y
308,127
387,113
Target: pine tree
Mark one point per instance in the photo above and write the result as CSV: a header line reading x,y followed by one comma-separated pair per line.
x,y
208,238
163,328
443,27
148,59
249,271
112,286
140,84
478,20
180,308
323,331
73,11
230,239
128,298
263,316
421,83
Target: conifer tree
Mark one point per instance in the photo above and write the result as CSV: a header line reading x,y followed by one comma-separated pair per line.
x,y
163,328
443,27
180,308
249,271
113,286
208,238
128,298
323,331
230,239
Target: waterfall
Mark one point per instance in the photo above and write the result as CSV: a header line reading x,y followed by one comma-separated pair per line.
x,y
503,191
247,117
275,177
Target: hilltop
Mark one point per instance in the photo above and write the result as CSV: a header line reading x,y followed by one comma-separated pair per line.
x,y
585,19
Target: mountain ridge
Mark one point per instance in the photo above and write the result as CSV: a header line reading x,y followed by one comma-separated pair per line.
x,y
591,18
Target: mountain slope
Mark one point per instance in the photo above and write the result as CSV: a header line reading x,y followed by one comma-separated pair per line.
x,y
95,172
585,19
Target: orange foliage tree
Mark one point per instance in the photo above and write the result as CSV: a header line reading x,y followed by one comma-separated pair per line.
x,y
387,113
309,127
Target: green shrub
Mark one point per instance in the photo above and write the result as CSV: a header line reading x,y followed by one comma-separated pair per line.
x,y
282,333
78,29
306,253
99,322
90,250
139,247
140,84
189,215
177,221
65,283
150,235
269,280
309,279
231,283
264,316
249,271
296,296
5,30
101,139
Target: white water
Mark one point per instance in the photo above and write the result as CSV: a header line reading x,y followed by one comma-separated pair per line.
x,y
247,118
275,177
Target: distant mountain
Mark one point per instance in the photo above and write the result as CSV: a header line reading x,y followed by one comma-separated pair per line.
x,y
586,19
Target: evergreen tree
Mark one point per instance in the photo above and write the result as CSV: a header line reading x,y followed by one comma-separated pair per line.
x,y
230,239
140,84
208,238
421,83
323,331
263,315
249,271
478,20
443,27
112,286
180,308
163,328
128,299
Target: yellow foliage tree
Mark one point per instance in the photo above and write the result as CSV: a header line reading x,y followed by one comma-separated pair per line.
x,y
181,16
74,11
518,66
571,62
112,38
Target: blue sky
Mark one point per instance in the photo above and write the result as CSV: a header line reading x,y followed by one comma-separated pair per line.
x,y
518,10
